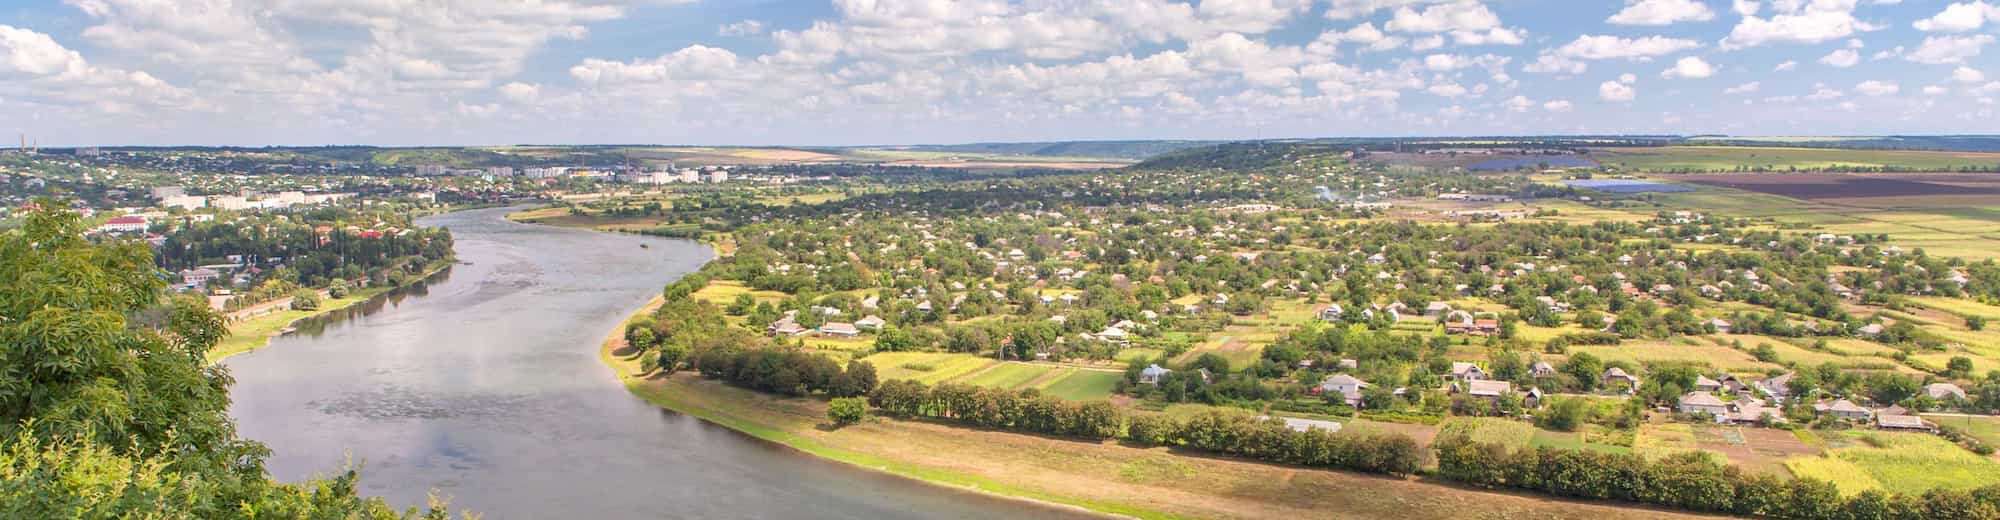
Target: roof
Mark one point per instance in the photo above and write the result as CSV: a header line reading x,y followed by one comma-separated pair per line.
x,y
1700,381
1460,367
1488,388
838,327
1900,421
1154,370
1700,399
1939,390
1615,372
1344,380
1842,406
126,220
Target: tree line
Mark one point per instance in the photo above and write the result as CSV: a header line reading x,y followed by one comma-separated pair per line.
x,y
1232,434
1693,481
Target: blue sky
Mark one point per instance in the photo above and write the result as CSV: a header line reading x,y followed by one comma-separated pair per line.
x,y
846,72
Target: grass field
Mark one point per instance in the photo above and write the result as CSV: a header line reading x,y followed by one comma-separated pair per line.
x,y
927,367
1909,463
1084,385
1729,158
1986,428
1006,375
1506,432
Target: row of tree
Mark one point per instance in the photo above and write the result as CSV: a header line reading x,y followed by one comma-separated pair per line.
x,y
1233,434
1693,481
788,372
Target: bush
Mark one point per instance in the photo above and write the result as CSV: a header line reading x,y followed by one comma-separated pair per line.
x,y
305,300
847,410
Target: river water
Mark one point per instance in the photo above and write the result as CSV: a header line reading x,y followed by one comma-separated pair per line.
x,y
485,385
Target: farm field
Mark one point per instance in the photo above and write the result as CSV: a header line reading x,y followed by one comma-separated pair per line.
x,y
1908,463
1814,186
1947,225
1731,158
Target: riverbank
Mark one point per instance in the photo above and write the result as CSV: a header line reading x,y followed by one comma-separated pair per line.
x,y
248,335
1104,477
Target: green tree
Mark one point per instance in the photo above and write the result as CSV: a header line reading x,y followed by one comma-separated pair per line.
x,y
305,300
847,410
101,417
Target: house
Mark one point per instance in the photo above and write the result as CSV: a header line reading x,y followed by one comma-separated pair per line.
x,y
839,330
1348,364
198,276
1463,371
871,322
1532,399
785,328
123,225
1733,385
1152,374
1112,335
1776,386
1616,379
1721,325
924,307
1901,422
1869,330
1704,384
1483,389
1436,309
1844,409
1754,411
1332,313
1346,386
1542,369
1944,391
1704,402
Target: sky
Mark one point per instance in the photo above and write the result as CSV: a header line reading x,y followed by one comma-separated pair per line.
x,y
877,72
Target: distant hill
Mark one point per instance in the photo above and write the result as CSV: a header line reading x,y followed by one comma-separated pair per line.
x,y
1129,150
1950,143
1242,155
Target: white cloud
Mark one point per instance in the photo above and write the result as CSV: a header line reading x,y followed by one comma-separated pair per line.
x,y
743,28
1594,47
1746,88
1964,74
1628,78
1547,64
1661,12
1615,91
519,92
1960,17
1469,22
1944,50
1689,67
1842,58
1559,105
1934,90
1745,7
1518,104
36,69
1877,88
1447,90
1797,21
1787,66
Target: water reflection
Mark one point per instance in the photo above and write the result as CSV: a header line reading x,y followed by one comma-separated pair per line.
x,y
484,383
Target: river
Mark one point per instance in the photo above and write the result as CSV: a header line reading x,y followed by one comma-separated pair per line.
x,y
485,385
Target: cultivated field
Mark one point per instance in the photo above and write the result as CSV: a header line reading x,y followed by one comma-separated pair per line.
x,y
1778,159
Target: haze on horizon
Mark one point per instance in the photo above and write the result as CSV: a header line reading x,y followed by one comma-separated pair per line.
x,y
853,72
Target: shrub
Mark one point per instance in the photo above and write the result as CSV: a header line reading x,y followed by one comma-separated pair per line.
x,y
305,300
847,410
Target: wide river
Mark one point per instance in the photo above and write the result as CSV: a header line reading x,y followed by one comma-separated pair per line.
x,y
485,385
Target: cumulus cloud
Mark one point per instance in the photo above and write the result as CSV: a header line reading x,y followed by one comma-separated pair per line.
x,y
1964,74
1469,22
1615,91
1661,12
1960,17
1842,58
1594,47
743,28
1746,88
1797,21
1945,50
1559,105
1877,88
1690,67
36,69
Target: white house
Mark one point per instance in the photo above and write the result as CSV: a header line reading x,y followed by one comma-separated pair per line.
x,y
1152,374
1346,386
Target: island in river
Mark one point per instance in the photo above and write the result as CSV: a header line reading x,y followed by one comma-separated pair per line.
x,y
486,387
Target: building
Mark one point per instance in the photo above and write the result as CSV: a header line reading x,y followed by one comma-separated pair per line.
x,y
1152,374
1483,389
1616,379
871,322
718,176
1463,371
1704,402
198,276
430,170
1944,391
123,225
1332,312
1346,386
1901,422
839,330
1844,409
